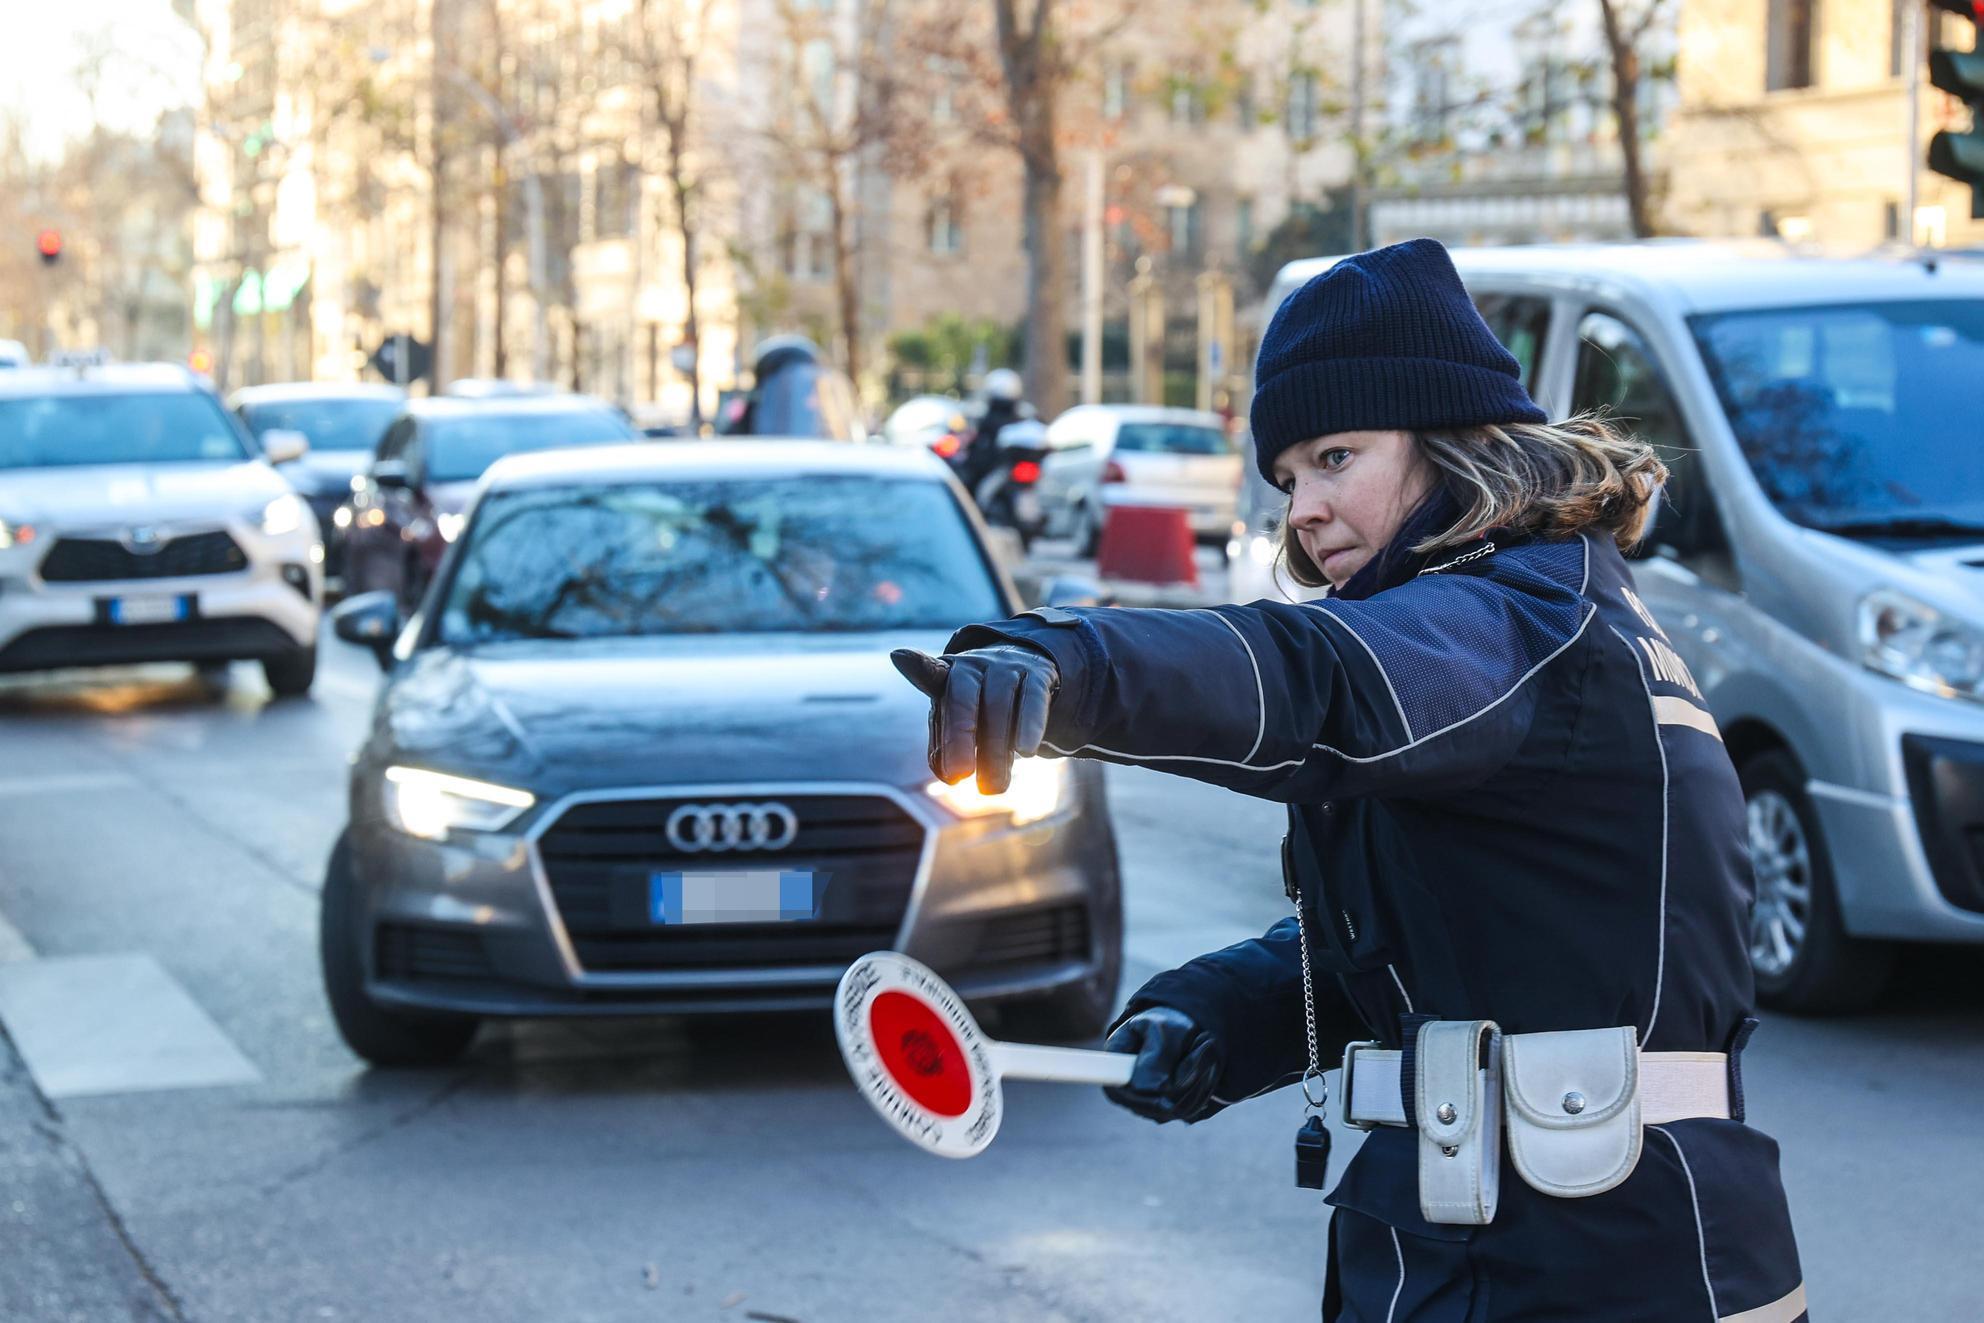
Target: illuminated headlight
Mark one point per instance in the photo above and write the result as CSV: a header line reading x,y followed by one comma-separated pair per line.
x,y
1262,550
341,517
1036,792
1920,646
432,804
284,515
15,535
449,525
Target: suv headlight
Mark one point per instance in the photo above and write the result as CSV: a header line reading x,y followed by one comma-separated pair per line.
x,y
1920,646
449,525
15,534
1038,787
283,515
432,804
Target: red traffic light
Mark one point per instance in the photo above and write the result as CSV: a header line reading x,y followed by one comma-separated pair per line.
x,y
49,244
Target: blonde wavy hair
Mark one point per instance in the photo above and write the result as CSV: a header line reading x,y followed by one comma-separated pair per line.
x,y
1548,479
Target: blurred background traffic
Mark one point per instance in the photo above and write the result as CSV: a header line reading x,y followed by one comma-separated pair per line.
x,y
464,465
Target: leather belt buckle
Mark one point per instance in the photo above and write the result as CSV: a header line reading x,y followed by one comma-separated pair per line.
x,y
1350,1051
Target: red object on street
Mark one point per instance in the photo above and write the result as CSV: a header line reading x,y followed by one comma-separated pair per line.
x,y
1026,473
921,1053
1149,544
49,244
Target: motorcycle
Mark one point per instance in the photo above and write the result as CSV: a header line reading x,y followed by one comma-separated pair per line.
x,y
1009,494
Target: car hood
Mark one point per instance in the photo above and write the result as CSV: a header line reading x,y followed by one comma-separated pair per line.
x,y
451,497
565,715
108,495
322,472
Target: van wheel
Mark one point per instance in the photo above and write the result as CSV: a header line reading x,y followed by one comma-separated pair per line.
x,y
381,1036
291,673
1799,948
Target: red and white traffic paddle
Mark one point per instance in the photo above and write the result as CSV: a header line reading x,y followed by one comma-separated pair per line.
x,y
923,1063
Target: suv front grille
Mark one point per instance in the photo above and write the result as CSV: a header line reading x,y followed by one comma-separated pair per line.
x,y
599,858
85,560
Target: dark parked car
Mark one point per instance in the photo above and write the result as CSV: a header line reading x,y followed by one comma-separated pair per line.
x,y
642,751
343,423
409,503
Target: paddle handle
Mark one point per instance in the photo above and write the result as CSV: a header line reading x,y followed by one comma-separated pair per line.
x,y
1061,1065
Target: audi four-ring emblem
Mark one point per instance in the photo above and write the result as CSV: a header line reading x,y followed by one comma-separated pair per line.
x,y
717,828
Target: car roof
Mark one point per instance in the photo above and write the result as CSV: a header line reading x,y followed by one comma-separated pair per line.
x,y
651,461
1710,275
285,392
1148,413
475,406
110,379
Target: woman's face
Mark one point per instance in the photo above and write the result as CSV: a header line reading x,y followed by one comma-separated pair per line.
x,y
1348,494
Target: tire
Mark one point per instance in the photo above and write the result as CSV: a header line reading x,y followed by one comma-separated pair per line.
x,y
382,1037
1802,956
1088,532
291,673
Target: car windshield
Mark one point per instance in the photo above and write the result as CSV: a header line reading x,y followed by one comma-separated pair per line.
x,y
329,424
1860,418
801,554
122,427
1171,439
459,449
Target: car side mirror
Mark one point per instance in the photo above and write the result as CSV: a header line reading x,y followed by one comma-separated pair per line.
x,y
283,445
391,473
372,621
1074,590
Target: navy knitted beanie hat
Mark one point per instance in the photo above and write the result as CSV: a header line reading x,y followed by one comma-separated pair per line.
x,y
1385,340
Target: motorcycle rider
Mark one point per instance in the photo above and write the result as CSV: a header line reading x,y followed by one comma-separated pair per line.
x,y
1004,403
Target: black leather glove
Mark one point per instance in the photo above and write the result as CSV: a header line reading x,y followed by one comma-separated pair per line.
x,y
988,706
1178,1063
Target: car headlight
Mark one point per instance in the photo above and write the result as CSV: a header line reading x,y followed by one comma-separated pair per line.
x,y
1920,646
432,804
341,517
15,534
1036,792
283,515
449,525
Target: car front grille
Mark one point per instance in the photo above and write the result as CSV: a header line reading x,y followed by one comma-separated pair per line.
x,y
86,560
419,954
599,858
1057,932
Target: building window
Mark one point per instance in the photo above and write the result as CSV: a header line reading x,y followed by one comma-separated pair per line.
x,y
1243,227
943,91
1788,54
1116,92
946,235
1432,88
1243,102
1181,221
1187,105
1304,103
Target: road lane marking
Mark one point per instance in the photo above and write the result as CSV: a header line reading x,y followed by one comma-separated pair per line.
x,y
90,1025
65,783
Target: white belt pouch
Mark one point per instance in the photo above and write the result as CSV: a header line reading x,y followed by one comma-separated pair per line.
x,y
1573,1109
1457,1106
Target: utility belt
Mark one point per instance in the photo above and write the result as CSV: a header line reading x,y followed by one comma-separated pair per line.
x,y
1573,1106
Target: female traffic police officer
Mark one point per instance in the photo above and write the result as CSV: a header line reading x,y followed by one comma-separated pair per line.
x,y
1516,845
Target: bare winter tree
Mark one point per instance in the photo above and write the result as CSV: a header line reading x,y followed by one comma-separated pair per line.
x,y
1628,24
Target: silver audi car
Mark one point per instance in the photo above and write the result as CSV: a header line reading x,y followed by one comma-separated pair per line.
x,y
641,750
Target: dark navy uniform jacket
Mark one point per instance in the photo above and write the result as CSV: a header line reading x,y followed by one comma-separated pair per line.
x,y
1507,801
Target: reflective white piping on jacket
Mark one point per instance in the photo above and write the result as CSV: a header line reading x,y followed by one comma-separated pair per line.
x,y
1585,582
1680,712
1701,1240
1787,1308
1270,1087
1398,1290
1260,688
1513,691
1401,988
1171,758
1660,958
1351,630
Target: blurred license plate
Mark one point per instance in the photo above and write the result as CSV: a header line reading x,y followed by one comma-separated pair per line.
x,y
148,610
743,896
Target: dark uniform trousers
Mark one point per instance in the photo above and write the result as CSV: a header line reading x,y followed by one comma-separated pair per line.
x,y
1507,800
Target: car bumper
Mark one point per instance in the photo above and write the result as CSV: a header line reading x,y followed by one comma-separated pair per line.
x,y
1905,842
1209,517
484,926
267,608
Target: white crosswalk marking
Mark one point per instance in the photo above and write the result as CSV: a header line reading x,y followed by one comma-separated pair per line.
x,y
13,946
61,784
90,1025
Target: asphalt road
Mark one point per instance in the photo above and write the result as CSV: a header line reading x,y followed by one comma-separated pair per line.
x,y
161,844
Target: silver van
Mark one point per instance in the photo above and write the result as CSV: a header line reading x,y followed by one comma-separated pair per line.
x,y
1817,560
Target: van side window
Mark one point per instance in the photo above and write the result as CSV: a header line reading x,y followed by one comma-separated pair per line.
x,y
1618,374
1520,322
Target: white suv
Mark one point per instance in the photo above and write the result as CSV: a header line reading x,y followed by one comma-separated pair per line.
x,y
139,523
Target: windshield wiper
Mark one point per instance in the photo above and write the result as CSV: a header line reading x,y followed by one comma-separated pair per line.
x,y
1905,526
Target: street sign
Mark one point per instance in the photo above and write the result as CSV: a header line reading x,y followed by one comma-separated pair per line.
x,y
401,359
921,1061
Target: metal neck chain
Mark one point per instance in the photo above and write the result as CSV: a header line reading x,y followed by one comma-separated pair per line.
x,y
1315,1072
1486,549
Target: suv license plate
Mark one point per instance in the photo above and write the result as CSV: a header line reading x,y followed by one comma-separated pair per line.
x,y
149,610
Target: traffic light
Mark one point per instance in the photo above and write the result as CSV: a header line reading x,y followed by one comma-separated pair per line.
x,y
1961,74
49,244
